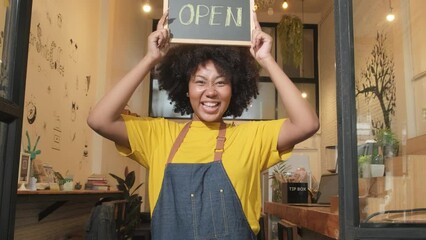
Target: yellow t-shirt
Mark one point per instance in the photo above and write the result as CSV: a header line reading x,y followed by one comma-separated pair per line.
x,y
250,148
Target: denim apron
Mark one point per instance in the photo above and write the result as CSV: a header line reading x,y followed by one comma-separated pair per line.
x,y
198,201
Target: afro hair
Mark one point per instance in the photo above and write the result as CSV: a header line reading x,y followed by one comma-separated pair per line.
x,y
236,63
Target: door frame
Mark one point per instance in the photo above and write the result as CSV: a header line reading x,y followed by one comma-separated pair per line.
x,y
15,55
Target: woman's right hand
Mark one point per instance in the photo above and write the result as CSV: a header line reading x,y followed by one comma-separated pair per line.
x,y
158,41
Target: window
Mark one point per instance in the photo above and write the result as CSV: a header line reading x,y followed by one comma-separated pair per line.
x,y
381,127
305,78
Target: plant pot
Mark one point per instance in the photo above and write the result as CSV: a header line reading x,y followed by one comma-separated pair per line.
x,y
390,151
377,170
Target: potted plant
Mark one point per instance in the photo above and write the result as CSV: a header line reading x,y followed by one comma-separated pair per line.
x,y
290,34
388,142
278,177
364,162
125,228
65,183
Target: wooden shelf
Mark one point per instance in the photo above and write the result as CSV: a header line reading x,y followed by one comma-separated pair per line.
x,y
59,198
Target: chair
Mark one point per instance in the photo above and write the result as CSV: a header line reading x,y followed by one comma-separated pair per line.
x,y
143,230
119,211
287,230
105,219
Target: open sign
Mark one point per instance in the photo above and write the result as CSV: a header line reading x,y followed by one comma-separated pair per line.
x,y
225,22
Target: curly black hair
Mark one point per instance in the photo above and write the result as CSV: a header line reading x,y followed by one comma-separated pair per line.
x,y
236,63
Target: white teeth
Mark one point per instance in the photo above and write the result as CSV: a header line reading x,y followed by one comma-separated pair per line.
x,y
210,104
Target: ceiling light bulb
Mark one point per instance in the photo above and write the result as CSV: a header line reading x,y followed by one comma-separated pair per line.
x,y
146,8
285,5
390,17
304,95
255,7
270,11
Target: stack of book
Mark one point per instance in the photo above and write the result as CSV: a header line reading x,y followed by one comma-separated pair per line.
x,y
97,182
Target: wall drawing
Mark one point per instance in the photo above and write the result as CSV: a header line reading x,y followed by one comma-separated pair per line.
x,y
73,50
57,133
87,84
31,112
378,82
61,61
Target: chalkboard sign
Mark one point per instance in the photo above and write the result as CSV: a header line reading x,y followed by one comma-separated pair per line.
x,y
225,22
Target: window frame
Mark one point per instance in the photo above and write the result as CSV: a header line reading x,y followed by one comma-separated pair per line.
x,y
263,79
17,29
349,219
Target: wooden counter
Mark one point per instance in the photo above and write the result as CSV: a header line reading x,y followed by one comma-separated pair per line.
x,y
46,214
59,198
317,219
64,195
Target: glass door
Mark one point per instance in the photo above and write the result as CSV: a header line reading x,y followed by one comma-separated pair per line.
x,y
14,32
381,89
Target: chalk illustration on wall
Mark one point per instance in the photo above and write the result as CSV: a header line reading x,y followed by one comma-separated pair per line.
x,y
57,132
49,51
58,66
73,50
66,89
87,84
86,151
59,20
74,108
378,82
31,112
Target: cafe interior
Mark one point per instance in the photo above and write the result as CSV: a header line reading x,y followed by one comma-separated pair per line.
x,y
359,63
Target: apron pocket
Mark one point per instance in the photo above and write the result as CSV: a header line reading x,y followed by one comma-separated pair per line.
x,y
209,215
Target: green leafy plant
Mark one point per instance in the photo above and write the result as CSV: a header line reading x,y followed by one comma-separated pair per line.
x,y
278,176
290,33
388,141
125,228
60,179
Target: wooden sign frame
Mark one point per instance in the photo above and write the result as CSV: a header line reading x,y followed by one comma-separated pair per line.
x,y
24,168
240,40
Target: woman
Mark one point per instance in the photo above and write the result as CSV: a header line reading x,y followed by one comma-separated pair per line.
x,y
204,176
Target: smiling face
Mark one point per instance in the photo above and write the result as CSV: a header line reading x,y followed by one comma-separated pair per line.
x,y
209,93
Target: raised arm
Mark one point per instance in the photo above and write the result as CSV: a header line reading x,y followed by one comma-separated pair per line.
x,y
302,121
105,118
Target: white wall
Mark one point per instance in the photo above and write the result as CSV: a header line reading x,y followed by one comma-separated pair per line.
x,y
327,91
418,80
70,42
61,82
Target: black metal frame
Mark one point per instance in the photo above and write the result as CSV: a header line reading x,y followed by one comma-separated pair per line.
x,y
296,80
17,30
349,220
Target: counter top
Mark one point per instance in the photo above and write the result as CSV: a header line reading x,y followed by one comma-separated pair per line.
x,y
58,198
73,192
318,219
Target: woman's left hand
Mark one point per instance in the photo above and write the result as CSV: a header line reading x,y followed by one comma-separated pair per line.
x,y
261,43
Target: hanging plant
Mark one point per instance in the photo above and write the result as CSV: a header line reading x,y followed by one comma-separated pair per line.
x,y
290,34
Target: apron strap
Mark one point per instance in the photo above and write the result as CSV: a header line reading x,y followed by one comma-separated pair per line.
x,y
178,141
220,142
